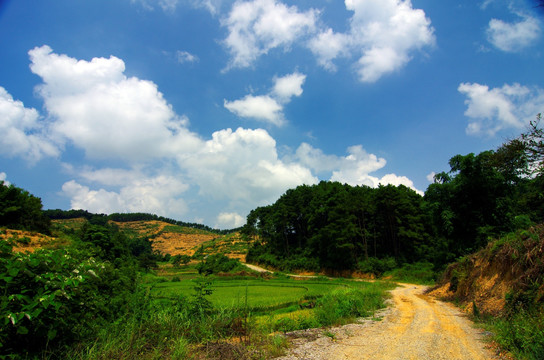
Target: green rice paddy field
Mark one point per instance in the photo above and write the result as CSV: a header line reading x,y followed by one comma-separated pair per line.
x,y
277,294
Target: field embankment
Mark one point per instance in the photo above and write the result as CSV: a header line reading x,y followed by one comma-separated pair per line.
x,y
507,267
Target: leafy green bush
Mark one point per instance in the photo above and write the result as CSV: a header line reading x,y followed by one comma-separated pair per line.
x,y
377,266
522,333
217,263
55,297
417,273
179,259
343,304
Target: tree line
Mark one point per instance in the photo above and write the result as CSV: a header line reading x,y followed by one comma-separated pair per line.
x,y
341,227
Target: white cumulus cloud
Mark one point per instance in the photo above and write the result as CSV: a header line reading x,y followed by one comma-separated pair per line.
x,y
94,106
513,37
354,169
229,220
383,34
23,132
496,109
158,195
243,167
107,114
288,86
262,108
255,27
269,108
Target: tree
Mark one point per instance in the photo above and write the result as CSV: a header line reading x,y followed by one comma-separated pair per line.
x,y
471,202
21,210
533,140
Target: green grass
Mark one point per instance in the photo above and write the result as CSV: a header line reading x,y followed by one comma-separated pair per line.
x,y
169,323
184,230
418,273
261,294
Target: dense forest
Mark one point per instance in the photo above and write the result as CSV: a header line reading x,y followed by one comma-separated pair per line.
x,y
340,227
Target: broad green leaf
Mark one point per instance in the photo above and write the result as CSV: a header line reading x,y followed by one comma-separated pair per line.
x,y
22,330
51,334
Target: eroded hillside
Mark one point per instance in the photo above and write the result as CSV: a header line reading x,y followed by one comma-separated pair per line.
x,y
508,269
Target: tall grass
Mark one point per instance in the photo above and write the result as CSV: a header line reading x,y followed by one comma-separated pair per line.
x,y
185,327
522,333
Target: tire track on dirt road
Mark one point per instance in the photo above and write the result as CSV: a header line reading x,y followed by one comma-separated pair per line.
x,y
415,327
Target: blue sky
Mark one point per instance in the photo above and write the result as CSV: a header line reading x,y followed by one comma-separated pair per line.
x,y
203,110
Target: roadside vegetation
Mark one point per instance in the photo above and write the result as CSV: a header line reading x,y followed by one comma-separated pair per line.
x,y
502,286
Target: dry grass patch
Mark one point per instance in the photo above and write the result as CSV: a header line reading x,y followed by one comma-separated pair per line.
x,y
29,241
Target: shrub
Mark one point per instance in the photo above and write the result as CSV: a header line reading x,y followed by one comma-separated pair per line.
x,y
522,333
345,304
377,266
217,263
55,297
419,273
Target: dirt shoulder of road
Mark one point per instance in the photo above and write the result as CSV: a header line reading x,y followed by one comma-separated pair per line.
x,y
414,326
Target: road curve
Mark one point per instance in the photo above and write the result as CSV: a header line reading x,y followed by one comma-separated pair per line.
x,y
417,327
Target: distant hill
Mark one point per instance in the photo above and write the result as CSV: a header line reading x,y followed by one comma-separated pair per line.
x,y
170,239
58,214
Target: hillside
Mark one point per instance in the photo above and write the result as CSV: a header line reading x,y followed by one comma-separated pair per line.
x,y
28,241
509,269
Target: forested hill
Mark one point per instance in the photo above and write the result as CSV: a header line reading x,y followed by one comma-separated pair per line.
x,y
341,227
126,217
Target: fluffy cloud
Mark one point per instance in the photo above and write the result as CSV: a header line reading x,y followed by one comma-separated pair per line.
x,y
513,37
493,110
229,220
383,34
288,86
269,108
23,134
257,26
243,167
262,108
329,45
158,195
353,169
96,107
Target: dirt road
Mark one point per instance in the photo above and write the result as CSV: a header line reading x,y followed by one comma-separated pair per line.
x,y
415,327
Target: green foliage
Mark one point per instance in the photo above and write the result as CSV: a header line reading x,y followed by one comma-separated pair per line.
x,y
54,297
522,333
416,273
218,263
333,226
346,304
179,259
377,266
21,210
